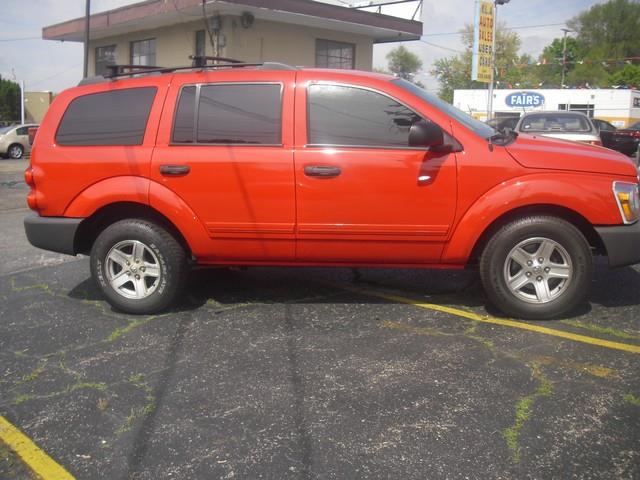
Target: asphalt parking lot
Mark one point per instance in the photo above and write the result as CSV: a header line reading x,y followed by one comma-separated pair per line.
x,y
311,373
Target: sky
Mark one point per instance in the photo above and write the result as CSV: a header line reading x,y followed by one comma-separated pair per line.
x,y
49,65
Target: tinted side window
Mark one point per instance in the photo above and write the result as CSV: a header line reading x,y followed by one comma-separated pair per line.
x,y
341,115
22,131
183,126
240,113
110,118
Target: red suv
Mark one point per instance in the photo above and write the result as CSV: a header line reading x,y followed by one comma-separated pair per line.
x,y
273,165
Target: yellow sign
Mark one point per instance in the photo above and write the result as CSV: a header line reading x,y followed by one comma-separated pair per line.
x,y
483,41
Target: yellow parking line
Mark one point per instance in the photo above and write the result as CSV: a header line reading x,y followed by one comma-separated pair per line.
x,y
38,461
498,321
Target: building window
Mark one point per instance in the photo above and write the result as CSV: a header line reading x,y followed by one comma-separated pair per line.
x,y
341,115
587,108
200,43
143,52
330,54
105,56
118,117
238,114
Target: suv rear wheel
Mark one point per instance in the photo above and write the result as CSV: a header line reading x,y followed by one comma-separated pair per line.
x,y
537,267
138,265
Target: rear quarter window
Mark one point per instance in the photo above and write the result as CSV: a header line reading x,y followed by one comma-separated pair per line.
x,y
118,117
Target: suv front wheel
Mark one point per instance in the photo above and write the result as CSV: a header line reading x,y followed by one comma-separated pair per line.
x,y
139,266
537,267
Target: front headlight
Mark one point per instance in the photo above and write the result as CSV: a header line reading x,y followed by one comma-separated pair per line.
x,y
628,200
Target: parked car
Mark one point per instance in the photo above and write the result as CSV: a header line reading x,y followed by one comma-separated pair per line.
x,y
501,124
574,126
275,165
624,140
14,141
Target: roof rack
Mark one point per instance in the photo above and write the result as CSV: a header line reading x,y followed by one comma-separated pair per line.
x,y
198,62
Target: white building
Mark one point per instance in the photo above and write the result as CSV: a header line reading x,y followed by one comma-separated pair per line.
x,y
620,107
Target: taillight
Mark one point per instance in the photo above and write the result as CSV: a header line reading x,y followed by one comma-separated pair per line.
x,y
635,134
32,203
28,177
32,200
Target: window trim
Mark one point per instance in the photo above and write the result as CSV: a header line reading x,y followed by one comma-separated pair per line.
x,y
95,56
146,125
353,58
139,41
196,112
360,87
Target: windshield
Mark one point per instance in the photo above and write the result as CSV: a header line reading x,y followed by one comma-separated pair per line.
x,y
476,126
4,130
555,122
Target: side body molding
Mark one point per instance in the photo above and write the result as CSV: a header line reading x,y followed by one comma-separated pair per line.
x,y
589,196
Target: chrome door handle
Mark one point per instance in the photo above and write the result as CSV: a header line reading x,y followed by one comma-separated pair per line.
x,y
424,179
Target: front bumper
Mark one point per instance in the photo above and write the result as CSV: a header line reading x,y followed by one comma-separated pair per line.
x,y
56,234
622,243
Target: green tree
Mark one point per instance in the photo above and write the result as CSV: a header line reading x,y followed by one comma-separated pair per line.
x,y
404,63
550,70
629,76
511,68
9,100
610,30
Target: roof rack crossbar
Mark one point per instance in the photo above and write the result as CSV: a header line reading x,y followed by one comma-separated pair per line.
x,y
117,70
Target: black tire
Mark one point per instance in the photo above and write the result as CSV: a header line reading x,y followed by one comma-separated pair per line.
x,y
163,250
15,151
494,268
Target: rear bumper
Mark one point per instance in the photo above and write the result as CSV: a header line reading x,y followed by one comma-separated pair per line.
x,y
56,234
622,243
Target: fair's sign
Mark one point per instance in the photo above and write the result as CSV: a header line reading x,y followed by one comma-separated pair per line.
x,y
483,41
524,99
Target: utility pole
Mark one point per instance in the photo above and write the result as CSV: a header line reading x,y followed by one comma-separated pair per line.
x,y
564,55
87,15
22,102
493,57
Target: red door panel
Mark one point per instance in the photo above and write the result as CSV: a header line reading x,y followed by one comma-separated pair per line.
x,y
389,206
379,205
243,194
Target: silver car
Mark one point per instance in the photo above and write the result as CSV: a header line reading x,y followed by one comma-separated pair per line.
x,y
574,126
14,141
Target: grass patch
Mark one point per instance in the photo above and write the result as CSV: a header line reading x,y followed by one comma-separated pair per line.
x,y
594,328
523,412
141,412
632,399
20,399
33,375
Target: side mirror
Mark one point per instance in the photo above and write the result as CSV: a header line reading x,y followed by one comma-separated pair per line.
x,y
425,134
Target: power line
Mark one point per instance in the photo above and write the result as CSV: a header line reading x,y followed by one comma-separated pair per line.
x,y
55,74
521,27
442,47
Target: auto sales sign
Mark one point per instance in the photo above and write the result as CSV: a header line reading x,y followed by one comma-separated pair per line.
x,y
524,100
483,41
